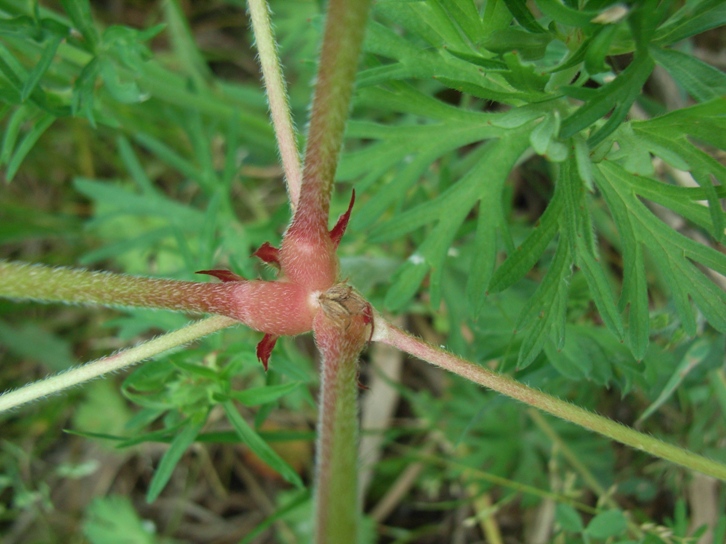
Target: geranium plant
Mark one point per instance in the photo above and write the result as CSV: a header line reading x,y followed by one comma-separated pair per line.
x,y
562,97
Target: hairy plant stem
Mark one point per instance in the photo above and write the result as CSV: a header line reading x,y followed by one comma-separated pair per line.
x,y
336,490
277,97
77,286
341,327
393,336
89,371
342,42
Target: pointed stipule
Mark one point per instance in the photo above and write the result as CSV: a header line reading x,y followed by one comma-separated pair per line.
x,y
224,275
339,229
264,349
268,254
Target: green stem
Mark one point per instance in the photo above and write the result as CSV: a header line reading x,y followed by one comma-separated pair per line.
x,y
95,369
391,335
342,329
342,42
277,97
336,494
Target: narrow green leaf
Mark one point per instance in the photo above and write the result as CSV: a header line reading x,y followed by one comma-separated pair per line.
x,y
208,243
527,255
26,144
693,18
407,281
696,354
259,447
584,164
84,89
12,130
559,12
600,289
133,166
635,292
466,16
718,216
79,12
170,156
401,180
264,395
618,95
192,62
569,183
708,297
171,458
165,435
547,307
599,48
496,16
485,253
678,289
436,248
121,200
702,81
524,17
35,75
201,371
11,68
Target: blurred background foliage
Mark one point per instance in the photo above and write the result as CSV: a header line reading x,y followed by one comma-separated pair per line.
x,y
509,208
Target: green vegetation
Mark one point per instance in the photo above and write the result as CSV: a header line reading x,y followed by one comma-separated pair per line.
x,y
539,188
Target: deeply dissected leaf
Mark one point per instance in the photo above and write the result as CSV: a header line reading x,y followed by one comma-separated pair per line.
x,y
674,250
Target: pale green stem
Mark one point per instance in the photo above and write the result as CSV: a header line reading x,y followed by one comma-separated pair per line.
x,y
277,97
391,335
95,369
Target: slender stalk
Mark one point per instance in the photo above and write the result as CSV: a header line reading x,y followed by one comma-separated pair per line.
x,y
336,497
342,42
122,359
341,329
42,283
391,335
24,281
277,97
